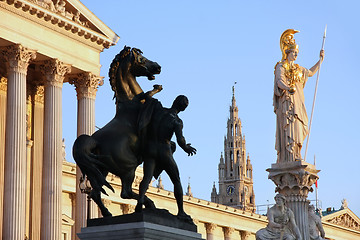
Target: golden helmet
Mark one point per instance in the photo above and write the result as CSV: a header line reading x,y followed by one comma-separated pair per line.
x,y
287,41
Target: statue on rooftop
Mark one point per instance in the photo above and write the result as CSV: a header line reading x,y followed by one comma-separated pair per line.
x,y
289,102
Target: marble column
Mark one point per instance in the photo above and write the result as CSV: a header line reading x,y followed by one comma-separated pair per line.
x,y
18,58
54,72
29,144
37,162
228,231
294,180
210,227
3,89
86,85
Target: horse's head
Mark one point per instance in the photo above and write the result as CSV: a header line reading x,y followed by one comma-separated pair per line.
x,y
140,65
126,66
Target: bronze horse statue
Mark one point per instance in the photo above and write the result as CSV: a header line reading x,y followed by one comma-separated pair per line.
x,y
116,147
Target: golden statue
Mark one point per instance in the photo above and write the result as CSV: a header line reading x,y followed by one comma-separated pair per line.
x,y
289,102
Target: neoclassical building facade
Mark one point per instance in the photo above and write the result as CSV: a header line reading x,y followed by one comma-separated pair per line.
x,y
43,45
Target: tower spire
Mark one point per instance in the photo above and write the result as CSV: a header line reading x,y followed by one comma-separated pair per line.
x,y
233,96
235,170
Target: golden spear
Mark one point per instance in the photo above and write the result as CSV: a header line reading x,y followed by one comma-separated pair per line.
x,y
316,86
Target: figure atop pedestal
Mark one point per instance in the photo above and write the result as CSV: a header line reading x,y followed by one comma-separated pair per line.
x,y
289,101
281,223
292,176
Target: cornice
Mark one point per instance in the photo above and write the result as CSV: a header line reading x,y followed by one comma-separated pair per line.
x,y
56,22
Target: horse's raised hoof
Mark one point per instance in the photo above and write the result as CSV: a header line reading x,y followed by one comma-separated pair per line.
x,y
184,217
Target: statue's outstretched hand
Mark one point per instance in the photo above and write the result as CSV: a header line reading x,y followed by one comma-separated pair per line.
x,y
190,150
158,88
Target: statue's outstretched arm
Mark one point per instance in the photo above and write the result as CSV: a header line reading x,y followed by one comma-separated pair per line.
x,y
181,139
315,68
157,88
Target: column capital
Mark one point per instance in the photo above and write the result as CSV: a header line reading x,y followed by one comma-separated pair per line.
x,y
210,227
86,84
18,57
293,178
54,71
228,231
245,235
39,94
3,84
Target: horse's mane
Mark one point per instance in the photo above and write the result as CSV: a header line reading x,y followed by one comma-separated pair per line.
x,y
120,61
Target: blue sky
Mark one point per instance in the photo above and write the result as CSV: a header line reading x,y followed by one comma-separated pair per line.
x,y
205,46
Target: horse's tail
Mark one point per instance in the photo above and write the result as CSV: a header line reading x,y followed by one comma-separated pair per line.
x,y
90,163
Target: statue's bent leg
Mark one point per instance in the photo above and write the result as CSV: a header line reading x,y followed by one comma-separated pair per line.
x,y
149,166
173,172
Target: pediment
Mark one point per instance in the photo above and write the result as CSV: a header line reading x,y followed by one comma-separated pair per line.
x,y
70,15
345,218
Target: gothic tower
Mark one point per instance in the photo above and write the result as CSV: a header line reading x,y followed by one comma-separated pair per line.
x,y
235,169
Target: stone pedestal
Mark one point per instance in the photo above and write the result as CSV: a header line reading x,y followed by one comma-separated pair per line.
x,y
294,180
154,224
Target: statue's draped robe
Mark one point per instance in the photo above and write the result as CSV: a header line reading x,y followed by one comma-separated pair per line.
x,y
271,233
291,117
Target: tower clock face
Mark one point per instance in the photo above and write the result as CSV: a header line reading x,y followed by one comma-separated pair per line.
x,y
230,190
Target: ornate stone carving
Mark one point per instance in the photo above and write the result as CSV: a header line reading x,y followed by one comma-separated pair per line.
x,y
347,221
28,117
210,227
228,231
293,178
244,235
3,84
18,57
106,202
54,71
39,94
59,9
86,84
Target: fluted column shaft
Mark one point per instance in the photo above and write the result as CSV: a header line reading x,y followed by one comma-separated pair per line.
x,y
86,85
54,72
37,163
3,89
18,59
300,207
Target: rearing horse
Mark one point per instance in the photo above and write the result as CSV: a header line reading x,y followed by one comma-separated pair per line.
x,y
115,147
